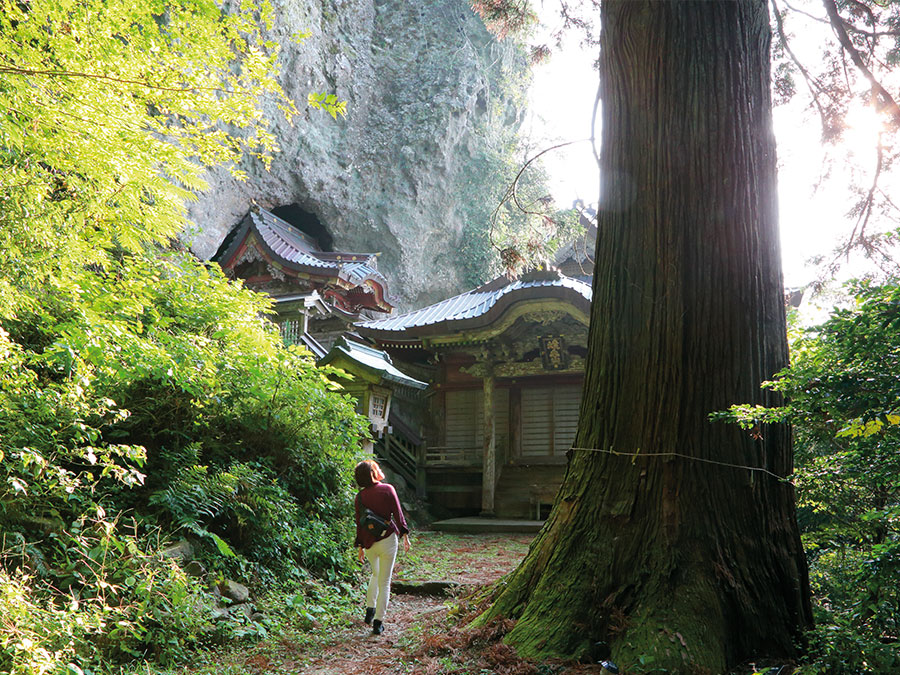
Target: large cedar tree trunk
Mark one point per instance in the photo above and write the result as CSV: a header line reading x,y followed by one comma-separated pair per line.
x,y
694,567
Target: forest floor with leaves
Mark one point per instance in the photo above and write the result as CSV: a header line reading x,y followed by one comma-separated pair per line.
x,y
424,634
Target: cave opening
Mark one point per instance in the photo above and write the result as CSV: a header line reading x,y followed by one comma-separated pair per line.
x,y
308,223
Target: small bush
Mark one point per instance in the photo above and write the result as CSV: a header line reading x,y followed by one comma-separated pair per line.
x,y
108,601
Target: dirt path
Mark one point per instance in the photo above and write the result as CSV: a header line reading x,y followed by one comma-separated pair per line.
x,y
356,650
470,560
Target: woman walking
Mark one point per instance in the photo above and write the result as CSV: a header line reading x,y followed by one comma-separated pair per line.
x,y
380,548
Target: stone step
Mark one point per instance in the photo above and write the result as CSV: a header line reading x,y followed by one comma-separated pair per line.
x,y
476,525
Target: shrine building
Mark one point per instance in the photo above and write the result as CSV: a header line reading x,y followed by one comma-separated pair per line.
x,y
505,365
317,294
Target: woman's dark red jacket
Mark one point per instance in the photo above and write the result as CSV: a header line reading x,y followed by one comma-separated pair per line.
x,y
382,499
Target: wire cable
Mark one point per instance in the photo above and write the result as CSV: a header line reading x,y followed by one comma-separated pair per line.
x,y
703,460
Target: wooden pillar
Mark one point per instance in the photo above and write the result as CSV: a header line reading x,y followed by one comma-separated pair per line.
x,y
421,473
515,423
489,463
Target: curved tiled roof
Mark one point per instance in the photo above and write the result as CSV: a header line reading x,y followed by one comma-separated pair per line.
x,y
285,241
292,249
358,272
478,302
373,360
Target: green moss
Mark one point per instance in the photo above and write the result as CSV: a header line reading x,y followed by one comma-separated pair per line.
x,y
681,639
560,596
675,639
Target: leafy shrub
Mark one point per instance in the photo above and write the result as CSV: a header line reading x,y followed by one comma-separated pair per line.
x,y
856,610
174,402
38,637
107,599
133,378
182,392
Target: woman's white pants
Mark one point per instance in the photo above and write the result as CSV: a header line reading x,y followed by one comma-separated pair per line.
x,y
381,556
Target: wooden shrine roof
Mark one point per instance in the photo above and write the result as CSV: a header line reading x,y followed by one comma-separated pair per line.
x,y
479,306
294,254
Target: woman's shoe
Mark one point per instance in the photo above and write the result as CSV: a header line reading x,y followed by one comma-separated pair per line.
x,y
370,614
377,627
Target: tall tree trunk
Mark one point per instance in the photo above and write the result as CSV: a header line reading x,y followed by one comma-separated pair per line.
x,y
690,565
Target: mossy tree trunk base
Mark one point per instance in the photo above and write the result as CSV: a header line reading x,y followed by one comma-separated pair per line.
x,y
676,559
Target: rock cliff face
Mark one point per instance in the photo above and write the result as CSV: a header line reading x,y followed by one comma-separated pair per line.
x,y
430,96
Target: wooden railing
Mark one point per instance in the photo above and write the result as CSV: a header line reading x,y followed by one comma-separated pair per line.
x,y
400,454
453,456
399,449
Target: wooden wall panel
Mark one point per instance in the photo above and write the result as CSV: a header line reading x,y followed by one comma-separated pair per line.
x,y
465,418
549,419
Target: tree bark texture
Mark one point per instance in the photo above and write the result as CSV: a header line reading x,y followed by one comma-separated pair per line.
x,y
676,563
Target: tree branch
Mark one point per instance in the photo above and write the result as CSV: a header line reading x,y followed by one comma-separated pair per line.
x,y
859,228
815,89
511,191
886,101
11,70
594,123
805,13
850,26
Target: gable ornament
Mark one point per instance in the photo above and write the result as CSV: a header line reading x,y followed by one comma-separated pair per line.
x,y
554,355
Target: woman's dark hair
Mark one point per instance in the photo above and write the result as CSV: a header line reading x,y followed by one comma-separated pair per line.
x,y
367,473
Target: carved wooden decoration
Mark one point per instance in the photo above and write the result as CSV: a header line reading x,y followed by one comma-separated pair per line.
x,y
554,355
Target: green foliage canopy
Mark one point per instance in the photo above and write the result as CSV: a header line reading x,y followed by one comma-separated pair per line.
x,y
109,112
